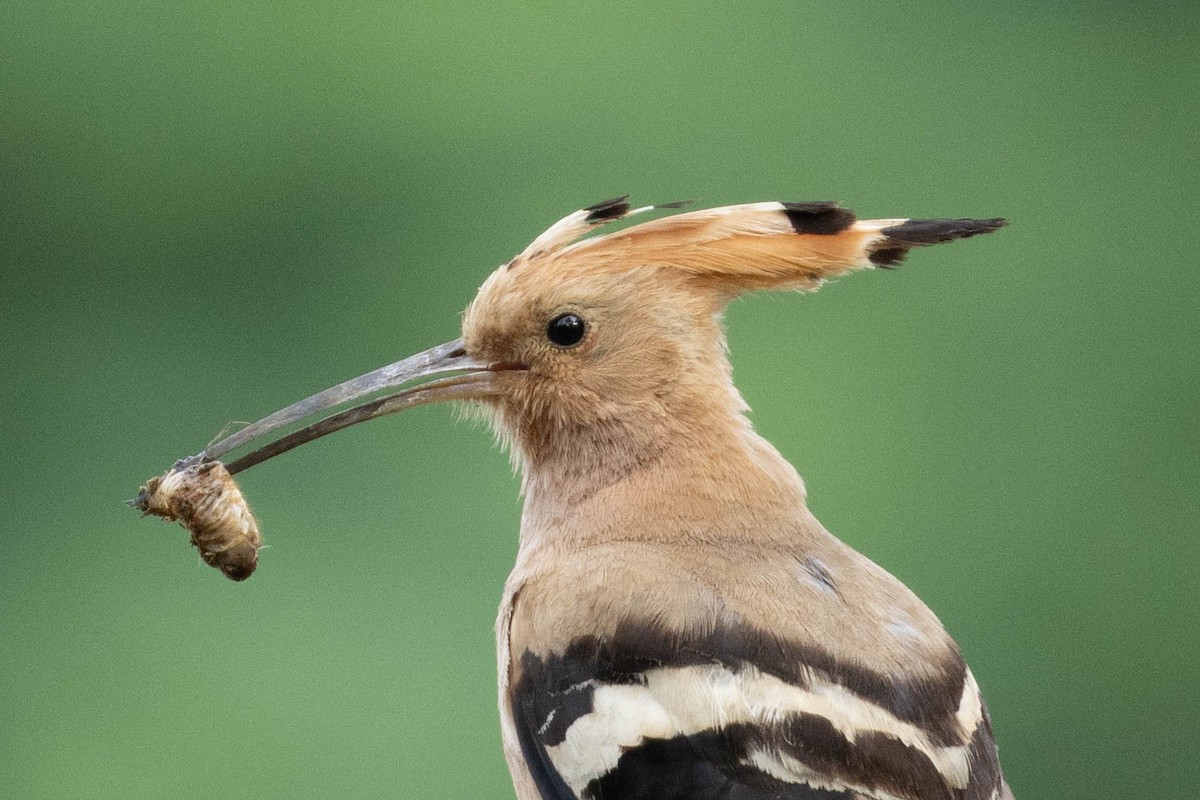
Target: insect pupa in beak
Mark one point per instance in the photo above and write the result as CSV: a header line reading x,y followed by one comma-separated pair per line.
x,y
203,497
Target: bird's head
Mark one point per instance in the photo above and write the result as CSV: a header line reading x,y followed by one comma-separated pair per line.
x,y
599,353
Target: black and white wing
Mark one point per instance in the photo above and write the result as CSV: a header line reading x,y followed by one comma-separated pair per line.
x,y
735,713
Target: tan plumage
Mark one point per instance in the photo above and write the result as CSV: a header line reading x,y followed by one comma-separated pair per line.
x,y
650,498
678,625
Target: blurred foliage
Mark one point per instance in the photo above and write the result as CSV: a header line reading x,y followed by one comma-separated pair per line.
x,y
211,209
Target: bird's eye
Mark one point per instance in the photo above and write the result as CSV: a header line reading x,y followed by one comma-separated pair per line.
x,y
566,330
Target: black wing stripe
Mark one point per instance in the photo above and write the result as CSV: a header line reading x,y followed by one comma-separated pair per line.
x,y
636,646
873,760
703,766
986,777
528,707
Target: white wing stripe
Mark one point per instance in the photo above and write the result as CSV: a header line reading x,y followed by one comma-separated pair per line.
x,y
678,701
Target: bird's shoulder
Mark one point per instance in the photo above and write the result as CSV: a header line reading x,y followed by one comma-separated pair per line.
x,y
817,596
739,673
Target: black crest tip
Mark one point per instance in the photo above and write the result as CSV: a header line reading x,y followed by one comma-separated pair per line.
x,y
614,208
889,257
823,217
936,231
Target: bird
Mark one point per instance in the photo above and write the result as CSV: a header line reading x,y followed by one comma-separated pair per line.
x,y
678,625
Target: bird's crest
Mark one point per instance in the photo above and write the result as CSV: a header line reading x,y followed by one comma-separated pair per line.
x,y
575,225
742,247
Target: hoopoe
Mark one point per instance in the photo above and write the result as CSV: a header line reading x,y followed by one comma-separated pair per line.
x,y
678,624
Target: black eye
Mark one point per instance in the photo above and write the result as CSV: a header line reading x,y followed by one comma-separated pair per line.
x,y
566,330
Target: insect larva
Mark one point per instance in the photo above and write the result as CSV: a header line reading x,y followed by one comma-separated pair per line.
x,y
204,499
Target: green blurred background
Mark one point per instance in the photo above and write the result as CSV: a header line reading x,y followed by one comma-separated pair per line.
x,y
211,209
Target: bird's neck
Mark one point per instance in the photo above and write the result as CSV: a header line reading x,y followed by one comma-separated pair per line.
x,y
693,473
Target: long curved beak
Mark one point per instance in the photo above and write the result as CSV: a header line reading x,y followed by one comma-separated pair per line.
x,y
468,379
